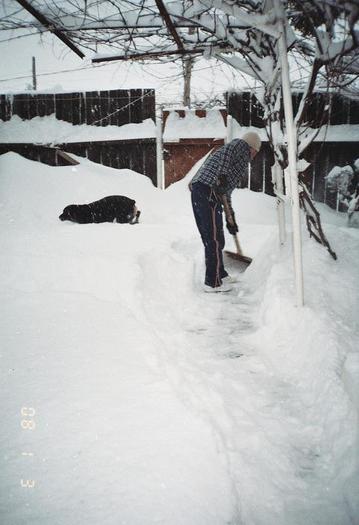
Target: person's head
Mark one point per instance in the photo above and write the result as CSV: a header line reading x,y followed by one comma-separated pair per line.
x,y
254,142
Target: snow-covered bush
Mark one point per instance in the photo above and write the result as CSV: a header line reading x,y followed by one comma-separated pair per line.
x,y
344,180
339,179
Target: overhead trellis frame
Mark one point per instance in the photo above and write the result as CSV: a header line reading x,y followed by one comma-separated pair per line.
x,y
154,54
171,28
128,23
49,25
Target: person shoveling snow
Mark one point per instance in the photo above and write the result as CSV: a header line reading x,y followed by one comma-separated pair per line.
x,y
211,187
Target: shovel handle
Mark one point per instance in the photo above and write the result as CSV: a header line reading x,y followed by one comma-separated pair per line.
x,y
229,218
238,246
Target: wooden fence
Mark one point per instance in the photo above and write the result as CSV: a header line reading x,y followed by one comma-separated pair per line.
x,y
99,108
118,107
135,154
246,109
323,156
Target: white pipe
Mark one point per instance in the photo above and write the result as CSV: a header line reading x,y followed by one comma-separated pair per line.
x,y
292,164
229,135
159,150
278,179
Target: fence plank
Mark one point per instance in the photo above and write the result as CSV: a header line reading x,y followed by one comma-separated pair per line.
x,y
336,114
136,98
32,110
3,100
136,159
113,106
124,115
346,110
68,107
354,112
82,108
45,105
149,168
20,105
59,106
123,157
257,113
103,103
92,107
8,107
148,104
245,109
76,108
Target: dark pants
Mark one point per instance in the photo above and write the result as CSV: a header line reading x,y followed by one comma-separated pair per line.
x,y
207,210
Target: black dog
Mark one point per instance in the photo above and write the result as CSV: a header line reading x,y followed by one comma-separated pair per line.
x,y
115,208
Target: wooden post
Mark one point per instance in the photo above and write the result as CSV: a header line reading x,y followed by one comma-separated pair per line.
x,y
187,73
34,82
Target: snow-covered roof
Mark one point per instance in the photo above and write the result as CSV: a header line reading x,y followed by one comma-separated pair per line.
x,y
192,126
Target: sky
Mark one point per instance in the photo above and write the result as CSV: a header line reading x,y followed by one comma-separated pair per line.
x,y
58,68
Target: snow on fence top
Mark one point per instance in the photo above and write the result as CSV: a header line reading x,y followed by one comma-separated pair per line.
x,y
49,130
188,124
59,118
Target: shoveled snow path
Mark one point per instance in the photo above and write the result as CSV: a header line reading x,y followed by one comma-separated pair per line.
x,y
266,424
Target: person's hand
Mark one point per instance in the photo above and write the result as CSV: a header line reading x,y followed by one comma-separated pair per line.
x,y
232,227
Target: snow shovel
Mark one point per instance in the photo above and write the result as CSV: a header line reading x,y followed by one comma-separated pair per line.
x,y
238,256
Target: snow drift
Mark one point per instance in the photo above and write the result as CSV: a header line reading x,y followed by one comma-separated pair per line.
x,y
130,397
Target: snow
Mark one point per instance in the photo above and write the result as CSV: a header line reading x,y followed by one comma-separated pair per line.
x,y
329,50
49,130
336,133
154,402
192,126
45,130
339,178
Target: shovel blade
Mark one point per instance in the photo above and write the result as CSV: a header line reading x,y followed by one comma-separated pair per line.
x,y
242,260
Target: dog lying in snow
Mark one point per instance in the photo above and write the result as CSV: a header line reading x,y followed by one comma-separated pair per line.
x,y
115,208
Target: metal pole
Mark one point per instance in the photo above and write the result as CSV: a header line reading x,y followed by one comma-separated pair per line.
x,y
292,164
229,135
278,179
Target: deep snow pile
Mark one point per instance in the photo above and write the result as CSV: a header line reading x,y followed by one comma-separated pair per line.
x,y
154,402
49,129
